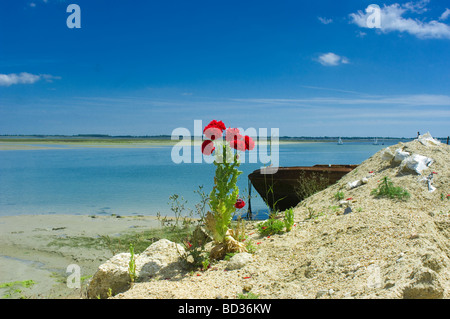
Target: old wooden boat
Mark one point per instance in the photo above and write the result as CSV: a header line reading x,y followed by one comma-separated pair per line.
x,y
287,186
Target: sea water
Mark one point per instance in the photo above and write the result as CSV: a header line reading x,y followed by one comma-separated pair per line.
x,y
135,181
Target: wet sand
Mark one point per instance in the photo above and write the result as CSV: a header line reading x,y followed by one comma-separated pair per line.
x,y
40,247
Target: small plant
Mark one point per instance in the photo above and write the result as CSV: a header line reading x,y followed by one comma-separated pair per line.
x,y
132,264
309,185
387,189
271,226
339,195
251,248
13,290
313,214
205,263
228,256
289,219
248,295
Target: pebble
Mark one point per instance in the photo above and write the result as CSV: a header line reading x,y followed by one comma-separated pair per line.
x,y
413,236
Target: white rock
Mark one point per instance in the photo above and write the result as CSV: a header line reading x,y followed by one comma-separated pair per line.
x,y
239,260
113,274
158,256
343,203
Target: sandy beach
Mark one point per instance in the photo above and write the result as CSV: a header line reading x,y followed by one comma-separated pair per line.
x,y
40,247
43,144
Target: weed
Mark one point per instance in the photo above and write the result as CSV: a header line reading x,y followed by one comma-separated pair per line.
x,y
289,219
248,295
309,185
228,256
270,227
334,208
312,214
387,189
339,195
132,264
251,248
13,288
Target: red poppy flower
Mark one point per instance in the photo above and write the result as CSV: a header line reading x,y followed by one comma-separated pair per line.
x,y
208,147
213,133
216,124
249,143
239,203
238,145
232,134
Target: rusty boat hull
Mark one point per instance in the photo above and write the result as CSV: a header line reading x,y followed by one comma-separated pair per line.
x,y
279,190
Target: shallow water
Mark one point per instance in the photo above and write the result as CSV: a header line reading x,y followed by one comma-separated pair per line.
x,y
132,181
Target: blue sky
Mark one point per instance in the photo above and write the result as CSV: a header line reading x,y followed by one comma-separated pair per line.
x,y
309,68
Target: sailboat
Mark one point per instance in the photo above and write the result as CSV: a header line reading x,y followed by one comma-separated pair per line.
x,y
340,141
375,141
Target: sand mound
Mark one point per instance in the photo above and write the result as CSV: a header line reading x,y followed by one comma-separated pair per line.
x,y
383,248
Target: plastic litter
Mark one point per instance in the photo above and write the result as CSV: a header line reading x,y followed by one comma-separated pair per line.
x,y
400,155
427,140
416,163
387,154
429,180
357,183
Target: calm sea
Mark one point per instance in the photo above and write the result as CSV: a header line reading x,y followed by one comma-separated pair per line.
x,y
133,181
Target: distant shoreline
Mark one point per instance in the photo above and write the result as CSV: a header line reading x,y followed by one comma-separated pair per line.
x,y
14,143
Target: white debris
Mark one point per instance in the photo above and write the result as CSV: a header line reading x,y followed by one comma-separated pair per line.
x,y
427,140
400,155
354,184
416,163
387,154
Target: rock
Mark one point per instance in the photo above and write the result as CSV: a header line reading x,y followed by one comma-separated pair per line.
x,y
348,210
424,285
157,257
343,203
239,260
113,274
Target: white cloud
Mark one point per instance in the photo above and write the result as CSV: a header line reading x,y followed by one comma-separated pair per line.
x,y
325,20
331,59
392,19
25,78
445,15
